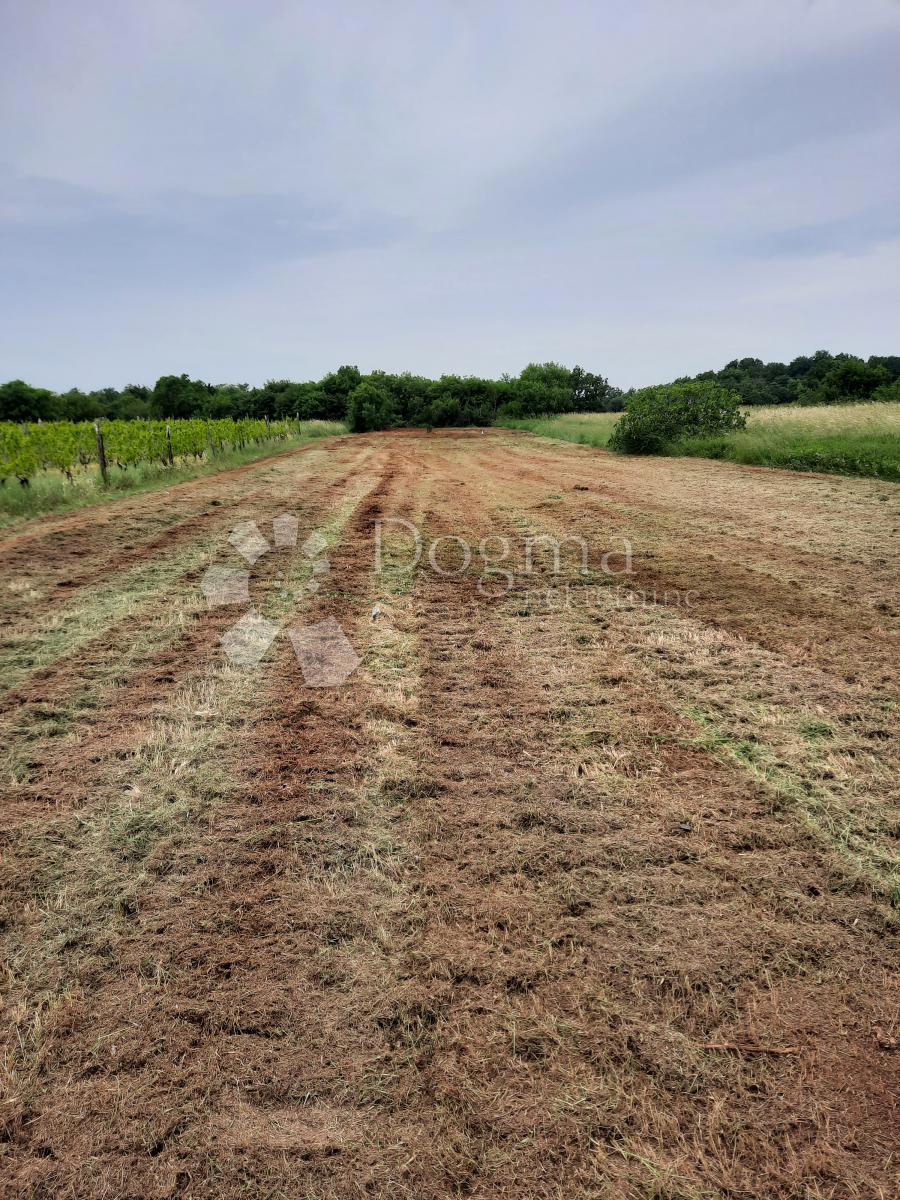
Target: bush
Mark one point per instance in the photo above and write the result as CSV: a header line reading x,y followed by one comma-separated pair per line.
x,y
657,416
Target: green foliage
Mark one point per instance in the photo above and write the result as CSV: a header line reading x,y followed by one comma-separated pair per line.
x,y
21,402
848,439
847,380
403,399
655,417
820,378
64,445
854,439
887,393
540,389
370,406
56,491
178,397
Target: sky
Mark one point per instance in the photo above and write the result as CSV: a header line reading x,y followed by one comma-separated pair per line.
x,y
260,191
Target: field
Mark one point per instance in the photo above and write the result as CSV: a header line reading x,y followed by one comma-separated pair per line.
x,y
587,887
844,439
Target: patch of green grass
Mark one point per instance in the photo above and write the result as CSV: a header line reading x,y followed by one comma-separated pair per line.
x,y
63,632
587,429
863,849
814,730
51,492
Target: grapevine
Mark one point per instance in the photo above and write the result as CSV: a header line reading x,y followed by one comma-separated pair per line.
x,y
64,445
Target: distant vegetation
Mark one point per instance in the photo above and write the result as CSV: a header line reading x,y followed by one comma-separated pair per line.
x,y
692,415
381,400
375,401
821,378
26,449
845,439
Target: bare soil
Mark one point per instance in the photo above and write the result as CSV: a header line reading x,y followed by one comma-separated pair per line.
x,y
584,888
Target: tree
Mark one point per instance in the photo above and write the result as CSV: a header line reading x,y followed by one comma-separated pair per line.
x,y
370,407
21,402
847,380
75,405
591,393
337,387
178,396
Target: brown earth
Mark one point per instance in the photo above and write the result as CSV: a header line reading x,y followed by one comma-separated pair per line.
x,y
584,888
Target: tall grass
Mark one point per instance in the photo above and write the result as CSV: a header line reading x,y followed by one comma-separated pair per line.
x,y
51,492
841,439
844,439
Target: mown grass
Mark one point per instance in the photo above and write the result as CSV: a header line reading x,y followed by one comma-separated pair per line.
x,y
51,492
844,439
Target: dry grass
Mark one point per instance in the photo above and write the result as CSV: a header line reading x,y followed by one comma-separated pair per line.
x,y
481,921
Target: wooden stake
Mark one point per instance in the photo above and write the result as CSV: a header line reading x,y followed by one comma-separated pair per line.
x,y
101,453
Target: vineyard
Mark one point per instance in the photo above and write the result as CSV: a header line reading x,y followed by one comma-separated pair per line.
x,y
27,449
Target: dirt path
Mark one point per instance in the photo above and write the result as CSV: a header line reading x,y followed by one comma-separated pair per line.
x,y
583,888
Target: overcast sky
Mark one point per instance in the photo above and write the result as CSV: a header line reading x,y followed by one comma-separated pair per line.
x,y
260,190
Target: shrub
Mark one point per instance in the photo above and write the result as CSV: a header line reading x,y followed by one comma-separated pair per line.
x,y
657,416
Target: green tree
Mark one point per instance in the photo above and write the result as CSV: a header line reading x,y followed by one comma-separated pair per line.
x,y
75,405
847,380
337,387
19,401
178,397
370,407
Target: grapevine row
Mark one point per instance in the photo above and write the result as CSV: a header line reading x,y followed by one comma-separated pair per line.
x,y
66,445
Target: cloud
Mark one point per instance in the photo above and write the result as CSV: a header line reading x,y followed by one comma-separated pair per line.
x,y
51,233
254,191
722,118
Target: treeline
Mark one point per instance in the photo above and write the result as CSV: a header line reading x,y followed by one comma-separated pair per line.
x,y
381,400
820,378
375,401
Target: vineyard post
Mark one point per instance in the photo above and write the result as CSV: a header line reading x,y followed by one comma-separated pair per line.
x,y
169,453
101,453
